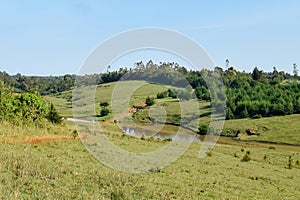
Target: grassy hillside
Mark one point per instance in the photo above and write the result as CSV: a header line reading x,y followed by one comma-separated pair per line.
x,y
63,106
282,129
64,169
104,92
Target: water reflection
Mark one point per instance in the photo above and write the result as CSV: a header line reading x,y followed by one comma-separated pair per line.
x,y
80,120
140,132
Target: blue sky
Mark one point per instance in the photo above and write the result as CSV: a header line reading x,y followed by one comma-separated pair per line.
x,y
55,37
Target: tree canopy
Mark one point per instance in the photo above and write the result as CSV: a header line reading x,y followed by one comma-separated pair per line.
x,y
247,94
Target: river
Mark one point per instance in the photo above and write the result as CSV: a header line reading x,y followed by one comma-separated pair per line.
x,y
140,132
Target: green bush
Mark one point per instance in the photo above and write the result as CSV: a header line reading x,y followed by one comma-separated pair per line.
x,y
246,157
203,129
229,132
168,140
265,157
161,95
25,108
229,114
202,93
210,153
53,116
290,162
104,112
75,134
272,148
104,104
149,101
171,93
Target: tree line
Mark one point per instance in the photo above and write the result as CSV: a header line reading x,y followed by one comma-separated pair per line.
x,y
255,94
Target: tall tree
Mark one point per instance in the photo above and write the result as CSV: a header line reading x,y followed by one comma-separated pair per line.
x,y
227,63
295,70
256,74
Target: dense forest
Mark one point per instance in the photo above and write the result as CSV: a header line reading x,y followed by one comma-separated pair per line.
x,y
257,94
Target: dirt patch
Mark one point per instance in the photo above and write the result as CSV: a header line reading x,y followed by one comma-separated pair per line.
x,y
45,139
126,113
34,140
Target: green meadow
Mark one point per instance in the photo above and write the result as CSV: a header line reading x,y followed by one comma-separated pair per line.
x,y
64,169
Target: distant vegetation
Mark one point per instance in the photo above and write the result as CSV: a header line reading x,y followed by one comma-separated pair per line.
x,y
249,95
43,84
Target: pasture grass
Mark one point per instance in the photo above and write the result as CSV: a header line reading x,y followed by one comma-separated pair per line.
x,y
64,169
281,129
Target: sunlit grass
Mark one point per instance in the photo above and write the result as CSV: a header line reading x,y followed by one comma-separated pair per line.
x,y
65,169
283,129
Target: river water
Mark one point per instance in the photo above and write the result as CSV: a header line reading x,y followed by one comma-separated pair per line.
x,y
140,132
80,120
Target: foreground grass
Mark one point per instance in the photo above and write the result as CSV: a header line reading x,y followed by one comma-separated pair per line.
x,y
24,133
65,170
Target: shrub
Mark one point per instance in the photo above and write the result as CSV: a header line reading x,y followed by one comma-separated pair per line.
x,y
26,108
75,134
171,93
271,147
210,153
203,129
104,112
104,104
168,140
161,95
265,157
246,157
149,101
290,162
229,114
53,116
202,93
31,107
229,132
